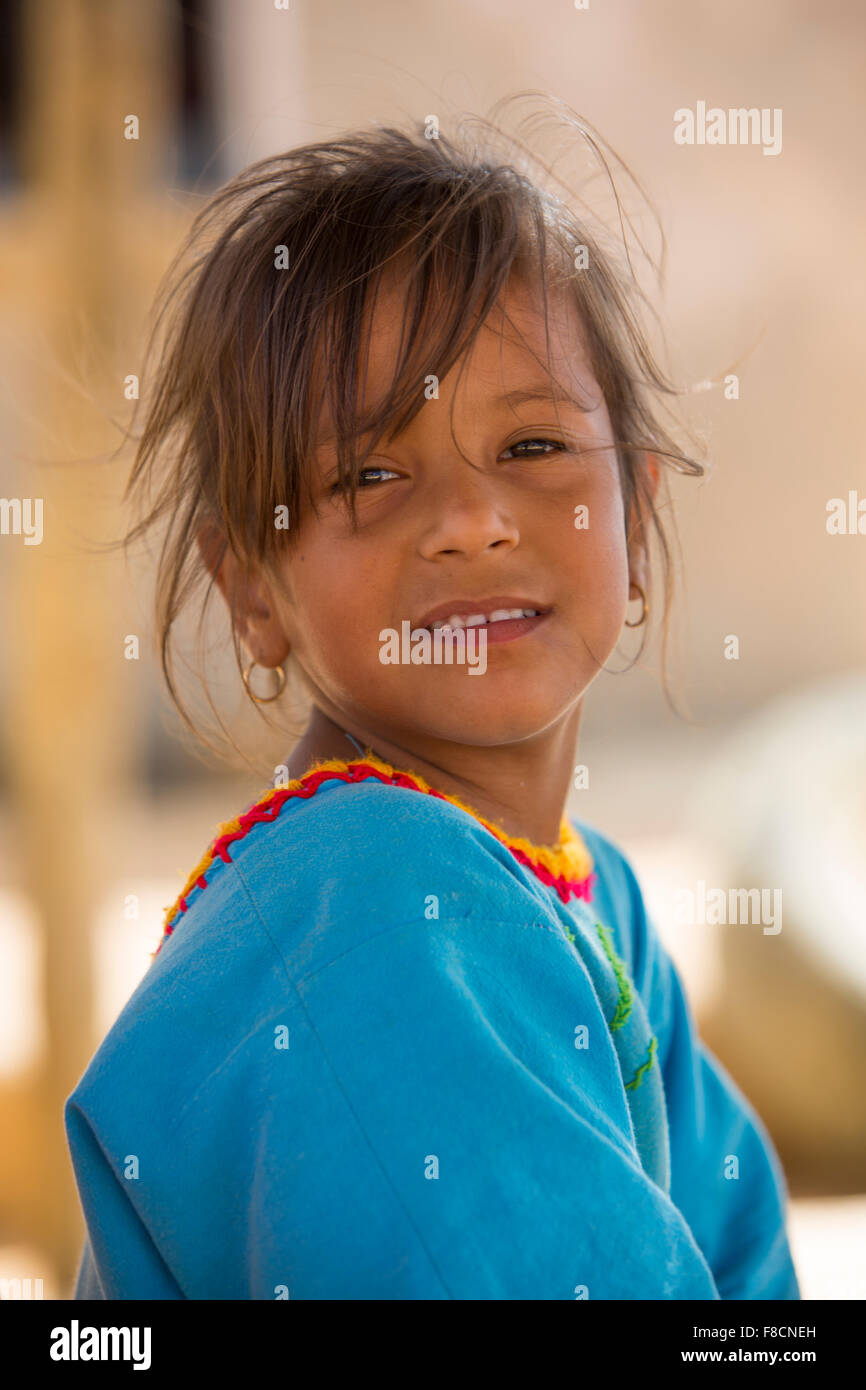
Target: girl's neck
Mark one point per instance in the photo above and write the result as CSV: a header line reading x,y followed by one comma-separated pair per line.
x,y
522,788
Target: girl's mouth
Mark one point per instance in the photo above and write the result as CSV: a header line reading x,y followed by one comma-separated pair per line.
x,y
502,625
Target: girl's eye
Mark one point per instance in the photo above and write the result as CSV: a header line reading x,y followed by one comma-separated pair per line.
x,y
540,448
338,487
555,444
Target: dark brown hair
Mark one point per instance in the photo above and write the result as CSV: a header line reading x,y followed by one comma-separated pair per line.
x,y
284,259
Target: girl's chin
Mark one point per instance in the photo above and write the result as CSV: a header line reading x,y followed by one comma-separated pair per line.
x,y
482,727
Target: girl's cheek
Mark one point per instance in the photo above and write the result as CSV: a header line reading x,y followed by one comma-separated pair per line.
x,y
595,532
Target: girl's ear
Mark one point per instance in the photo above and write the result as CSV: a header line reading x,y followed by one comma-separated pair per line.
x,y
214,550
637,536
247,596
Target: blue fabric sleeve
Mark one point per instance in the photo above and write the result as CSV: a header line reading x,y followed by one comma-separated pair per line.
x,y
87,1285
726,1177
118,1259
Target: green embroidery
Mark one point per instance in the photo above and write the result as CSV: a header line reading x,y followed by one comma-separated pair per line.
x,y
642,1070
624,1003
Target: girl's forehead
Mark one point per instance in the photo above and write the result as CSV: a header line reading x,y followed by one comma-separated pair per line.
x,y
516,320
512,352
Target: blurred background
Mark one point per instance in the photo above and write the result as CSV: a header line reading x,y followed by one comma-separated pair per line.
x,y
761,783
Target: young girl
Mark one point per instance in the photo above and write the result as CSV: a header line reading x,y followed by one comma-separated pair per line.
x,y
409,1033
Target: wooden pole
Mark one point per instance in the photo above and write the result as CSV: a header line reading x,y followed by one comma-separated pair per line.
x,y
71,719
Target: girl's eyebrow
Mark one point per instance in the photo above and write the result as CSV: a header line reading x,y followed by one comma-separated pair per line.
x,y
546,393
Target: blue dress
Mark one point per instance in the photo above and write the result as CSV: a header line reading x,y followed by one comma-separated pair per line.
x,y
379,1057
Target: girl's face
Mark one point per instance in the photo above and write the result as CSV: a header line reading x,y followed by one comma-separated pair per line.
x,y
437,534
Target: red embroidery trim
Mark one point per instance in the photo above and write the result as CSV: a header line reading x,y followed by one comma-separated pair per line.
x,y
268,806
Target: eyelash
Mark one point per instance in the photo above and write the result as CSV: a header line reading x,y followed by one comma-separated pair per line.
x,y
539,439
533,439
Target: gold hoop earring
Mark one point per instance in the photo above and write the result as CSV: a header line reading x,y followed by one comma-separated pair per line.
x,y
643,617
264,699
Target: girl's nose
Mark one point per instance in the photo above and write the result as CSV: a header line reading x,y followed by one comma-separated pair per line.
x,y
465,513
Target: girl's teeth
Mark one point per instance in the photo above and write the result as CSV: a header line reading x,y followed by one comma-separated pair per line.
x,y
499,615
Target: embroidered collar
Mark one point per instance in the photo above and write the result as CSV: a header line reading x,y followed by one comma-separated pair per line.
x,y
567,866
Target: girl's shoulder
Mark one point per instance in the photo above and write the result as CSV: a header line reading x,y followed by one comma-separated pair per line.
x,y
355,848
355,842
